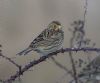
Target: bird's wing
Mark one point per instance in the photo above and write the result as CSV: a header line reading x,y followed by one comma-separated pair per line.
x,y
41,38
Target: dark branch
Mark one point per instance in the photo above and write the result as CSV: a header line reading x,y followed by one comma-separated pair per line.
x,y
43,58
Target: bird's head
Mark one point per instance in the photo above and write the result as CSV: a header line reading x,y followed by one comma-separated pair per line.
x,y
55,26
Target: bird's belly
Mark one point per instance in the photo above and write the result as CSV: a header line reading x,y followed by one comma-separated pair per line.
x,y
49,49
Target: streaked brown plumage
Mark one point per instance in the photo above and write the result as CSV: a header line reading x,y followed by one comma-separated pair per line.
x,y
48,41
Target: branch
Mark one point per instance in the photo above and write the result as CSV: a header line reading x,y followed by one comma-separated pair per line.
x,y
43,58
85,12
10,60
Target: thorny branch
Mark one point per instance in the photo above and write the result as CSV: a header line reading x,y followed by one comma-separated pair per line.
x,y
43,58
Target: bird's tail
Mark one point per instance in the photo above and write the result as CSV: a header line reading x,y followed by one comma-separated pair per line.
x,y
26,51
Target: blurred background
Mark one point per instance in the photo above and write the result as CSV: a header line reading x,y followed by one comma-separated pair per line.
x,y
23,20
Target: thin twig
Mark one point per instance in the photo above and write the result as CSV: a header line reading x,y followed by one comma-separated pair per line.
x,y
61,66
73,66
85,12
10,60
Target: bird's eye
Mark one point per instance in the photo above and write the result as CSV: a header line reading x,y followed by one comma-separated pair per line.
x,y
54,26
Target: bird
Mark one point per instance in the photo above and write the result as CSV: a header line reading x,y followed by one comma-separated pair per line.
x,y
48,41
